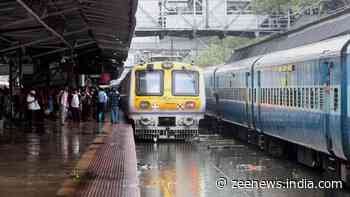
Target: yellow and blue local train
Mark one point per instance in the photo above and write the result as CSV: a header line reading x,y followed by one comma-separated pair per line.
x,y
164,99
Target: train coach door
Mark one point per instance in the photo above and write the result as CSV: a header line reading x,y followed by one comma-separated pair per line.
x,y
326,67
248,98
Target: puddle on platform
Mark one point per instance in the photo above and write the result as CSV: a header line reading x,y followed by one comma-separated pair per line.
x,y
189,170
35,163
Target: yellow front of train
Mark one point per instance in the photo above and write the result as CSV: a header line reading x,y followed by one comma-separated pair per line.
x,y
167,100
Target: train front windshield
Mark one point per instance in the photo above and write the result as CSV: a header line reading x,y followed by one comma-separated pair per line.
x,y
185,83
149,83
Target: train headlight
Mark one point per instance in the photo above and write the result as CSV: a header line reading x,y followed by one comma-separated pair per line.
x,y
145,105
167,65
146,121
180,121
188,121
190,105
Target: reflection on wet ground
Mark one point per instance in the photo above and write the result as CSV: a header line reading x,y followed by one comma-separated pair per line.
x,y
35,163
186,170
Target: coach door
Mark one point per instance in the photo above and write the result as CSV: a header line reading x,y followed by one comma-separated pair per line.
x,y
248,99
257,114
326,67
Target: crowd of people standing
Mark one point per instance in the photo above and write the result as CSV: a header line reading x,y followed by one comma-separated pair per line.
x,y
65,104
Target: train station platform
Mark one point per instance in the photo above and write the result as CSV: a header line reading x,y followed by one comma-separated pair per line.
x,y
108,168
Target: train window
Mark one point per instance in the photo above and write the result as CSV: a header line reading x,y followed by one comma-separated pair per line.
x,y
303,98
336,99
274,96
286,97
267,95
254,95
281,96
149,83
312,97
263,95
249,94
316,98
307,98
299,98
185,83
295,97
290,96
321,98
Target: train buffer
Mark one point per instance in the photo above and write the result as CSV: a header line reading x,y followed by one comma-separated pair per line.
x,y
113,170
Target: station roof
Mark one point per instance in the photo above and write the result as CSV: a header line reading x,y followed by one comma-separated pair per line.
x,y
47,28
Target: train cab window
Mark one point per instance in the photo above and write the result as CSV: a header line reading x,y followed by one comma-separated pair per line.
x,y
149,83
336,99
185,83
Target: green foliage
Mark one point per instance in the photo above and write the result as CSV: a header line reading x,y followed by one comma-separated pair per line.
x,y
219,50
281,6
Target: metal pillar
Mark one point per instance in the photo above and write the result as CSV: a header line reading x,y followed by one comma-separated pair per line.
x,y
20,67
11,65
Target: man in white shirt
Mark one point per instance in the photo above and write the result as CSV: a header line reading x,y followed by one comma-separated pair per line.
x,y
33,107
75,104
102,103
63,101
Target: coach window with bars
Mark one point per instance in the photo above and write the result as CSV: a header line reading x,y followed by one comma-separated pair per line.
x,y
185,83
149,83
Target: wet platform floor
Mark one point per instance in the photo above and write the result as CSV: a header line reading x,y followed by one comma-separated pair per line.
x,y
191,170
35,163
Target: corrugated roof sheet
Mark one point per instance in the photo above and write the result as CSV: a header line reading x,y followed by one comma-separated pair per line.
x,y
47,27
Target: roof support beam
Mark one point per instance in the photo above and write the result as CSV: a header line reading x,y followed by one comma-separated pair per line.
x,y
37,18
41,40
17,22
64,49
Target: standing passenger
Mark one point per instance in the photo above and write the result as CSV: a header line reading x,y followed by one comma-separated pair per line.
x,y
75,104
102,102
114,100
33,107
86,104
63,101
